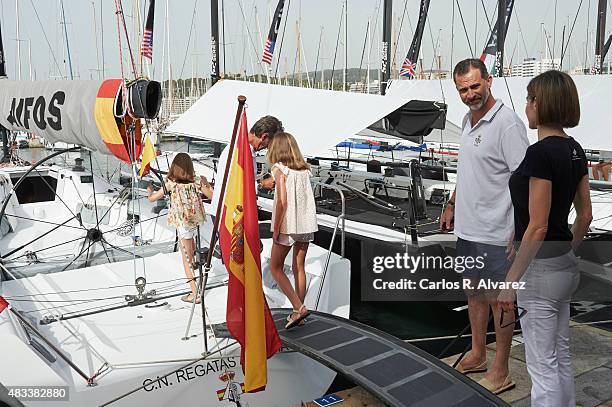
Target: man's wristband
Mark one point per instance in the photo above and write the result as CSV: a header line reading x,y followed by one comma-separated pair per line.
x,y
451,203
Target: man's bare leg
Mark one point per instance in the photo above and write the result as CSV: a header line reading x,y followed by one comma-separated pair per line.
x,y
503,338
478,310
605,171
595,171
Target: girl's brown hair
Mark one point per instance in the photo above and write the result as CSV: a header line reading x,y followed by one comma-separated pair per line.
x,y
284,149
556,99
181,169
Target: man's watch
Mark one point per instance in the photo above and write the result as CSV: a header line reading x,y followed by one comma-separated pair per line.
x,y
451,203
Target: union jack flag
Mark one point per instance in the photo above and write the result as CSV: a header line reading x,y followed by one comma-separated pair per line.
x,y
146,48
408,69
268,50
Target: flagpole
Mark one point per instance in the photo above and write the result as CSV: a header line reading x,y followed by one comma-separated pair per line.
x,y
214,234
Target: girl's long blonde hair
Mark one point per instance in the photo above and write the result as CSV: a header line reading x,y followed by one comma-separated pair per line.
x,y
181,169
284,149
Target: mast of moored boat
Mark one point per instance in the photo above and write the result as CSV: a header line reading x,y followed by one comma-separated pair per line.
x,y
601,36
385,68
214,74
3,131
501,36
345,45
67,43
214,27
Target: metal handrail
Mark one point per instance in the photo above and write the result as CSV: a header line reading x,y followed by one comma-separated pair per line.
x,y
342,215
339,219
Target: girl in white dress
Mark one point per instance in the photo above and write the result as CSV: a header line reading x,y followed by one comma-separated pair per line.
x,y
294,220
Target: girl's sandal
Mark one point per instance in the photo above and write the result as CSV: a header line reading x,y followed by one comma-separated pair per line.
x,y
296,321
187,298
302,322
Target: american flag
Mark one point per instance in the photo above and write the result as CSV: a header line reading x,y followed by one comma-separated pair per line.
x,y
268,50
408,69
146,48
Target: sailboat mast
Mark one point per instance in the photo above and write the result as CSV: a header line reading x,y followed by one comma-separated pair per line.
x,y
385,68
314,82
601,35
368,63
18,42
345,45
501,35
214,27
67,44
2,60
95,32
3,132
102,39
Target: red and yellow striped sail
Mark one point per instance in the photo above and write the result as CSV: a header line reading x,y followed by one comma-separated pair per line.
x,y
113,130
248,317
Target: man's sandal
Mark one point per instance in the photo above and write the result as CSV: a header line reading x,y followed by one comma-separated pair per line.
x,y
293,322
473,369
507,384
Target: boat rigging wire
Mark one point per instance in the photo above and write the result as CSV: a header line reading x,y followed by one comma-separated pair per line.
x,y
96,288
569,37
365,44
465,29
121,21
55,192
43,221
59,70
189,39
399,33
244,20
36,238
331,83
120,305
40,250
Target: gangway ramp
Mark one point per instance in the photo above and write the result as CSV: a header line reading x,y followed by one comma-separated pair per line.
x,y
398,373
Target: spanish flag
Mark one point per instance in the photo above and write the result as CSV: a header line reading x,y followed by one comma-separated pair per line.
x,y
3,304
248,317
148,154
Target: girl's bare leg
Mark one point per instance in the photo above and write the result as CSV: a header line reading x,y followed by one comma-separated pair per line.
x,y
277,262
299,271
188,249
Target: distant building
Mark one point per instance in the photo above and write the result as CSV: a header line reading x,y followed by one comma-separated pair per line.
x,y
361,87
434,74
533,67
581,70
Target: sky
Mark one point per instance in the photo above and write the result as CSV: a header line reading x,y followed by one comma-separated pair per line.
x,y
182,35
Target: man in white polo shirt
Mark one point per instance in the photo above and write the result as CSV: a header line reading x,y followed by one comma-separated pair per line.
x,y
260,136
493,144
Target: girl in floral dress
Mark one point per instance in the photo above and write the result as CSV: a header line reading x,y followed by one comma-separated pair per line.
x,y
186,210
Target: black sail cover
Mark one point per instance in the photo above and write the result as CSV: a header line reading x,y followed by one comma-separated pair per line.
x,y
413,121
2,60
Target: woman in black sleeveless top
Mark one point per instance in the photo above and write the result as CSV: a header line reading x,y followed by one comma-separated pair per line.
x,y
552,177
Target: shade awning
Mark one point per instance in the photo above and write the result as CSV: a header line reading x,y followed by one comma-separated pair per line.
x,y
594,91
319,119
